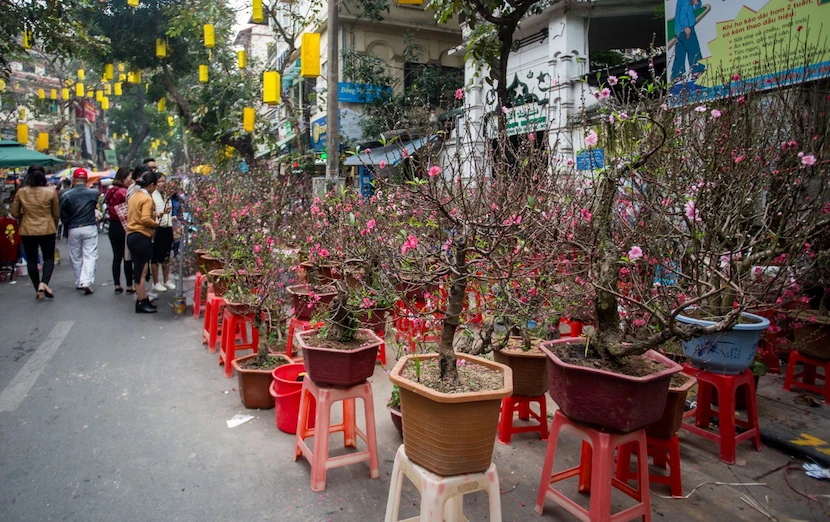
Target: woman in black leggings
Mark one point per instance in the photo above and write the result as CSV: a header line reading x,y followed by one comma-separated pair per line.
x,y
141,222
117,208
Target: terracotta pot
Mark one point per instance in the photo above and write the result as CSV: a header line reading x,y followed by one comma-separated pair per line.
x,y
211,263
300,300
669,423
450,434
530,373
199,253
606,399
254,384
339,368
240,308
813,340
221,280
397,420
326,273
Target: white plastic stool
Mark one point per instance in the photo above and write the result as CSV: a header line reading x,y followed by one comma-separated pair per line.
x,y
442,498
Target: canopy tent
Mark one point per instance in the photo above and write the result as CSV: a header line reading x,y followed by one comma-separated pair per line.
x,y
14,154
100,175
390,154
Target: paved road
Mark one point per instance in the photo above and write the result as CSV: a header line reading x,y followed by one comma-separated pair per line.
x,y
106,415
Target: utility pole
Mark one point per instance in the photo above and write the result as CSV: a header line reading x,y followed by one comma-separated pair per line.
x,y
332,105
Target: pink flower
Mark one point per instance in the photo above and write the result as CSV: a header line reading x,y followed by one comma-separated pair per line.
x,y
700,108
410,244
459,94
604,94
691,211
716,114
623,116
740,158
531,137
368,150
323,252
569,162
504,110
370,225
257,249
611,119
382,164
367,303
586,215
736,77
809,160
633,75
635,253
591,139
612,80
434,171
404,153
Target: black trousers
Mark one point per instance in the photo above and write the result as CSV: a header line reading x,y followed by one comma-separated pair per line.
x,y
141,249
118,240
47,246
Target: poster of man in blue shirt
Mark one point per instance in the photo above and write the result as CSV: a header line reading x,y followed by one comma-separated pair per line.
x,y
687,46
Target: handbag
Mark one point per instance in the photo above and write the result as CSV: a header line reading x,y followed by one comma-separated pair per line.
x,y
121,212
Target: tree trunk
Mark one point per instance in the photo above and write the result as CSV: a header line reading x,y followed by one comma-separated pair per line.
x,y
605,304
262,348
506,39
458,287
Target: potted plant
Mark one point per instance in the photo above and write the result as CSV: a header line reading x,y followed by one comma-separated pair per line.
x,y
394,407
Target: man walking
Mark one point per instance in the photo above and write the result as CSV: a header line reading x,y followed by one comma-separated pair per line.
x,y
78,216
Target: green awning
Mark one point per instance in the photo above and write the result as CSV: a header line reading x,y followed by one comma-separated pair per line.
x,y
14,154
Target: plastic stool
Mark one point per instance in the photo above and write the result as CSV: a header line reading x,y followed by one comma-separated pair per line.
x,y
726,386
198,307
293,324
233,323
521,405
666,455
808,374
324,398
442,498
210,328
595,473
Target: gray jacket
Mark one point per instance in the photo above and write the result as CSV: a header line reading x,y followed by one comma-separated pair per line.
x,y
78,207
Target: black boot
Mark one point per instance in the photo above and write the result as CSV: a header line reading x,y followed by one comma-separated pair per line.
x,y
143,307
152,304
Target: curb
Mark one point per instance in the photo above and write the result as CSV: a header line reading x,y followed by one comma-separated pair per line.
x,y
784,440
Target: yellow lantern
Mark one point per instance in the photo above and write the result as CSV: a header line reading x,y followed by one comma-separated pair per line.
x,y
122,77
90,93
60,152
170,121
310,55
99,95
130,141
241,59
135,75
2,85
162,104
28,40
109,72
114,136
21,114
117,89
256,14
107,89
161,48
132,3
410,2
41,94
105,103
120,67
64,94
248,119
53,94
79,90
203,73
22,133
271,87
209,36
42,141
81,75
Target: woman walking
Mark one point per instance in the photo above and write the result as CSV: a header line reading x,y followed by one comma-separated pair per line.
x,y
117,209
141,222
37,208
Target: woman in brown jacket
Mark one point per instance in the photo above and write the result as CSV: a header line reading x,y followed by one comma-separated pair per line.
x,y
36,207
141,222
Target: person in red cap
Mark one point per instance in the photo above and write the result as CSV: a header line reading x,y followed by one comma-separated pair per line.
x,y
78,215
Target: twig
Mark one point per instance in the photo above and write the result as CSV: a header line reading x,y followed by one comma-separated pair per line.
x,y
715,484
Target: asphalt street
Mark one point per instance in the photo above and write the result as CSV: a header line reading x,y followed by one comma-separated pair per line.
x,y
106,415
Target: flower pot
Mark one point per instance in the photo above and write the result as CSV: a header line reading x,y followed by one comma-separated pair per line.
x,y
221,280
813,340
285,390
211,263
397,420
730,352
450,434
200,253
602,398
253,384
339,368
326,272
304,306
530,375
240,308
669,423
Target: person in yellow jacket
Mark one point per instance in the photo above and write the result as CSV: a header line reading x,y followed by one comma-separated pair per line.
x,y
141,222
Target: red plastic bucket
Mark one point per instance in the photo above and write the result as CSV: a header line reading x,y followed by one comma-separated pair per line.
x,y
285,378
286,392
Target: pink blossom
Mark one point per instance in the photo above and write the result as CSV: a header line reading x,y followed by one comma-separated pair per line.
x,y
367,303
700,108
691,211
404,153
716,114
611,119
591,139
410,244
504,110
368,151
623,116
382,165
459,94
808,159
323,252
633,75
736,77
434,171
370,225
635,253
257,249
569,162
531,137
586,215
604,94
740,158
612,80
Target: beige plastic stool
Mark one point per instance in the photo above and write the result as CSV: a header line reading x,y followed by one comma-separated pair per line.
x,y
442,498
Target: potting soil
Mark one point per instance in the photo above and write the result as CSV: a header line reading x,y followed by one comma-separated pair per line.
x,y
634,365
471,377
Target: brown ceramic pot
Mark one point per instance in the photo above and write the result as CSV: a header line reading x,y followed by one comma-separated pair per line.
x,y
450,434
669,424
530,373
211,263
221,280
253,384
397,420
300,300
813,340
339,368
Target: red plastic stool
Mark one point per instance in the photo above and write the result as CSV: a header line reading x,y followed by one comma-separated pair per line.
x,y
198,307
666,455
234,323
808,374
574,325
726,386
324,398
303,325
596,473
210,329
521,405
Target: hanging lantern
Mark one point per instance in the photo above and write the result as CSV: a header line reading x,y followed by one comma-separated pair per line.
x,y
203,73
42,141
170,121
90,93
107,89
130,141
162,104
132,3
53,94
271,87
248,119
161,48
28,40
209,36
109,72
99,95
64,94
120,67
122,77
41,94
117,89
81,75
105,103
241,59
256,14
310,55
2,85
114,136
134,76
79,90
22,133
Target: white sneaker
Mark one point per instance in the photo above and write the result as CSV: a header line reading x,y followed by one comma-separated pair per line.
x,y
159,287
170,285
151,296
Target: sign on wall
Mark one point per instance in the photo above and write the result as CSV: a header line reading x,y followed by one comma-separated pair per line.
x,y
349,127
720,48
590,159
361,92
